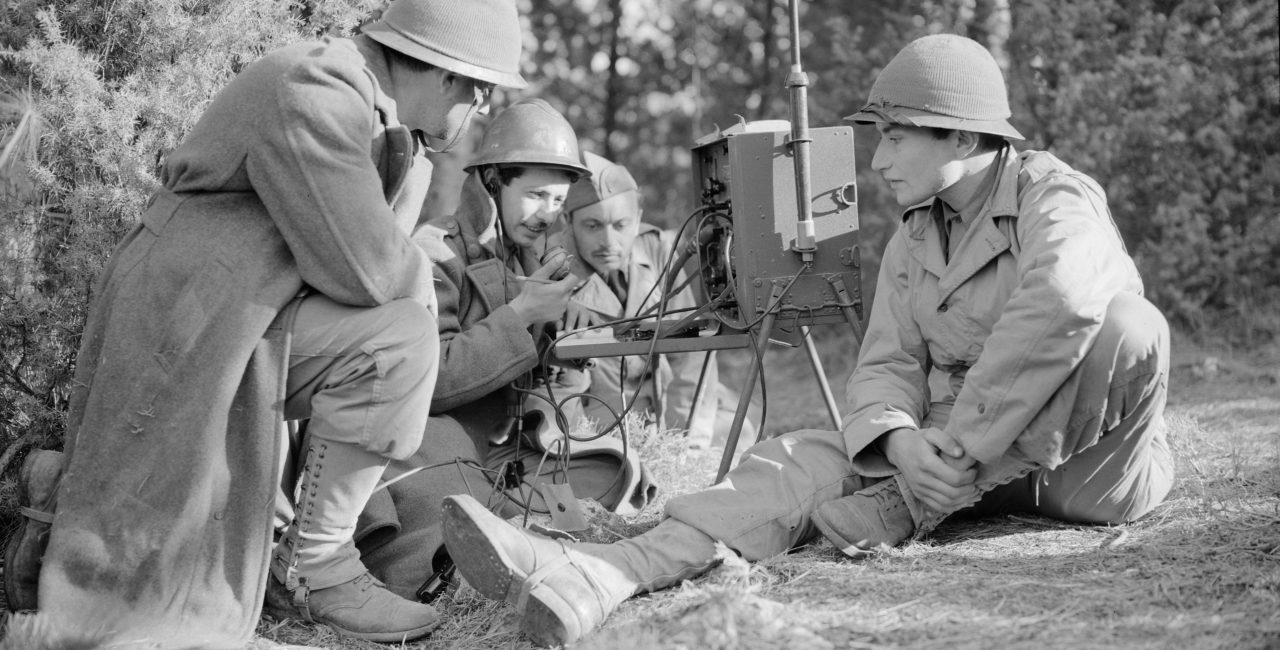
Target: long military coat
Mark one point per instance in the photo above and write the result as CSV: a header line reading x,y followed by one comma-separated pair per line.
x,y
978,346
163,526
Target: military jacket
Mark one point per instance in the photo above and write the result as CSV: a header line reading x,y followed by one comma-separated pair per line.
x,y
485,346
978,344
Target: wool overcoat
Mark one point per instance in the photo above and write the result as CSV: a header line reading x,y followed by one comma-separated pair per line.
x,y
163,525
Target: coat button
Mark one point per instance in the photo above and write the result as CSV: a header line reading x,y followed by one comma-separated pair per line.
x,y
982,408
943,307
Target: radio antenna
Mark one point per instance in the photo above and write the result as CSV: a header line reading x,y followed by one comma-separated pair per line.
x,y
798,83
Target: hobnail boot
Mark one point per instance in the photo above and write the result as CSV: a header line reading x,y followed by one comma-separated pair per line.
x,y
37,489
867,520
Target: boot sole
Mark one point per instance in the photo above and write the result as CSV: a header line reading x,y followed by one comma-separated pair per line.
x,y
546,618
15,596
384,637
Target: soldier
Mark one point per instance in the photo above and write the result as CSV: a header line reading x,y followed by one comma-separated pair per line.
x,y
1010,360
273,276
623,259
502,283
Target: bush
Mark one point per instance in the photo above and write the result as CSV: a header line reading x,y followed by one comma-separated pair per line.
x,y
1172,107
116,86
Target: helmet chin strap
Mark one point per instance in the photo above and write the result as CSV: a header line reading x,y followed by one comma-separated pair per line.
x,y
493,186
457,136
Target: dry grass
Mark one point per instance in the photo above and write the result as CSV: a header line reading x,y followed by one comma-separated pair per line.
x,y
1202,571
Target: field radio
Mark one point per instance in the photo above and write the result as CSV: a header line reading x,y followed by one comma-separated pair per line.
x,y
771,247
745,189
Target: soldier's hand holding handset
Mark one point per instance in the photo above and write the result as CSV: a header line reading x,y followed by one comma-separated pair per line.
x,y
544,294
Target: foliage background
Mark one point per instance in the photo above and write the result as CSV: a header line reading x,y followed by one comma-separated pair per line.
x,y
1172,105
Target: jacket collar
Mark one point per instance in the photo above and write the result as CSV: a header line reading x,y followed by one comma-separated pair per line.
x,y
983,240
1001,201
375,64
477,214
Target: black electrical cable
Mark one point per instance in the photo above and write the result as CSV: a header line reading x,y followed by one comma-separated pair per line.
x,y
568,437
661,304
664,279
764,390
671,255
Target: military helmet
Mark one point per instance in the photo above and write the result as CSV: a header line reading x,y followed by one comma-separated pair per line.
x,y
944,81
608,179
530,132
479,39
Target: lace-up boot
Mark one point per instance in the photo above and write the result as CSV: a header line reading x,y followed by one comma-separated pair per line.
x,y
869,519
317,563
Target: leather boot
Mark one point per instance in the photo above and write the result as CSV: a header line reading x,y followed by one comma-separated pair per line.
x,y
37,489
869,519
318,564
564,590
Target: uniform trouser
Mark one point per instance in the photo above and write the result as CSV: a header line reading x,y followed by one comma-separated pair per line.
x,y
363,377
1107,418
400,533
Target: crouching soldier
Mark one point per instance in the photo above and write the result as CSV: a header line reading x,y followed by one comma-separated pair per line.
x,y
501,285
623,260
273,276
1010,361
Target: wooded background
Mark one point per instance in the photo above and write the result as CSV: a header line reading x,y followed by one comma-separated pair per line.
x,y
1174,106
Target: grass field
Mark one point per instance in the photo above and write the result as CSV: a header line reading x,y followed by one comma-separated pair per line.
x,y
1202,571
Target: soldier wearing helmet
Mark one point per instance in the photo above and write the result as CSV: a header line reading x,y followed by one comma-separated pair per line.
x,y
502,282
1010,362
272,277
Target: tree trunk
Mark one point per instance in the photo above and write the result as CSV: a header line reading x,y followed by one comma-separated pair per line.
x,y
611,99
995,19
765,83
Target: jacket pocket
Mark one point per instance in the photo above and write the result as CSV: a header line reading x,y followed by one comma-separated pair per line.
x,y
491,283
